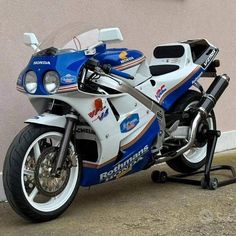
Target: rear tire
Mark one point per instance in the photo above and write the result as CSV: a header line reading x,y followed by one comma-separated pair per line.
x,y
187,163
19,166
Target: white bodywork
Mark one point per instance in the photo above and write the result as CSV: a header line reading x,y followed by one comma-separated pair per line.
x,y
48,120
108,136
170,80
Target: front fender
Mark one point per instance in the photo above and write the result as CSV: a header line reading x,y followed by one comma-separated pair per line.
x,y
48,120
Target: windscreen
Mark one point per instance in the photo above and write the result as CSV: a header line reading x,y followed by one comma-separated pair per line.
x,y
71,37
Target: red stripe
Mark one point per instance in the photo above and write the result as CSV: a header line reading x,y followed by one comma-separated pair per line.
x,y
130,64
68,88
20,89
72,88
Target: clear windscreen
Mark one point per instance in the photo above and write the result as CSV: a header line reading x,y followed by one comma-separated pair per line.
x,y
71,37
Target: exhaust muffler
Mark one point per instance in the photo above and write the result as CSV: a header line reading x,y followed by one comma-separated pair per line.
x,y
213,94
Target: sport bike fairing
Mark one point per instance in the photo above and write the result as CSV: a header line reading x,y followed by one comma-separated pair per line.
x,y
124,143
105,112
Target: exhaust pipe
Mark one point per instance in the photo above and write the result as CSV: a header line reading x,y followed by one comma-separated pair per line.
x,y
206,105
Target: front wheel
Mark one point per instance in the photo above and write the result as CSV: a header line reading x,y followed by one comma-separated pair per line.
x,y
30,189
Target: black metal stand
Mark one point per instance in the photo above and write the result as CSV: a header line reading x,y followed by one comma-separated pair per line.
x,y
206,182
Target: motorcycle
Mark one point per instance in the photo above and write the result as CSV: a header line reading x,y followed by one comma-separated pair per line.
x,y
104,113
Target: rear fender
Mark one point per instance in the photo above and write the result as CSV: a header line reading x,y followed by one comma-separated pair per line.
x,y
48,120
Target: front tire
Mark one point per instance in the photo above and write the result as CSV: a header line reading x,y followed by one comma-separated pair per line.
x,y
19,173
194,158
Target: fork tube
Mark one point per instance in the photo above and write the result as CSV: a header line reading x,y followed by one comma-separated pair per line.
x,y
70,121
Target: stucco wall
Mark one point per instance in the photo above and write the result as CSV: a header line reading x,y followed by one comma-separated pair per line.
x,y
144,23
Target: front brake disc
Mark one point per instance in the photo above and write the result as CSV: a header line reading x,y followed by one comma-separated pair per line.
x,y
47,184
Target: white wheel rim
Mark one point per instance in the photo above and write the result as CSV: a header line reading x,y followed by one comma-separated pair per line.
x,y
195,154
58,201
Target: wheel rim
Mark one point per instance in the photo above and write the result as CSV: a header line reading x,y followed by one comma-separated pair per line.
x,y
31,193
195,154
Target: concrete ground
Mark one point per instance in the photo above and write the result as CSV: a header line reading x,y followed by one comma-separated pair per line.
x,y
136,206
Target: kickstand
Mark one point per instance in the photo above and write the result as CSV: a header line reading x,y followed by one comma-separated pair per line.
x,y
206,182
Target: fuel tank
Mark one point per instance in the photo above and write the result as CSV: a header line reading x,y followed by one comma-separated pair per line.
x,y
130,61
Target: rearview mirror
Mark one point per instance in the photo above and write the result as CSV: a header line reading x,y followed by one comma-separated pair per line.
x,y
31,40
110,35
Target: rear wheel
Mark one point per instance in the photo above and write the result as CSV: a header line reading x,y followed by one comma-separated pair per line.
x,y
195,157
30,189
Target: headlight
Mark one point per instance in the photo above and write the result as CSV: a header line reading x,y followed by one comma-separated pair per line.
x,y
51,82
31,82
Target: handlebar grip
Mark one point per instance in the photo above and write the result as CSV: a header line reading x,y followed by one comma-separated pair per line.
x,y
121,74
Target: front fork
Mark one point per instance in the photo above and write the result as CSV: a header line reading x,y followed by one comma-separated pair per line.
x,y
63,151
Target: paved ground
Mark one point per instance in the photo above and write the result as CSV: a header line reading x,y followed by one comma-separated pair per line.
x,y
136,206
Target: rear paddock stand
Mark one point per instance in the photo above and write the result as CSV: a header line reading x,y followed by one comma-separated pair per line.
x,y
207,182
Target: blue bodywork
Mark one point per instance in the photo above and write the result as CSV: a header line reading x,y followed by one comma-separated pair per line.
x,y
114,56
64,64
169,101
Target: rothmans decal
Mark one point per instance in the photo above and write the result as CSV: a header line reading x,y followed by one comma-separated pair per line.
x,y
121,169
129,123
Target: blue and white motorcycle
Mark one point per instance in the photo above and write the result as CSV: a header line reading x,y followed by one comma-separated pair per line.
x,y
104,113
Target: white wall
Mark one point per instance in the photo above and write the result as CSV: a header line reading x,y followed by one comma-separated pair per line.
x,y
144,23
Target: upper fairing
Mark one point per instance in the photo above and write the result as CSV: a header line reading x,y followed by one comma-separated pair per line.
x,y
67,65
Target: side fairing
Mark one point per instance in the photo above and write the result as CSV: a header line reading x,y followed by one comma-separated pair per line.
x,y
131,158
126,140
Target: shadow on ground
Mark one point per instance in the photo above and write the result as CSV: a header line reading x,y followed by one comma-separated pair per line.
x,y
136,206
